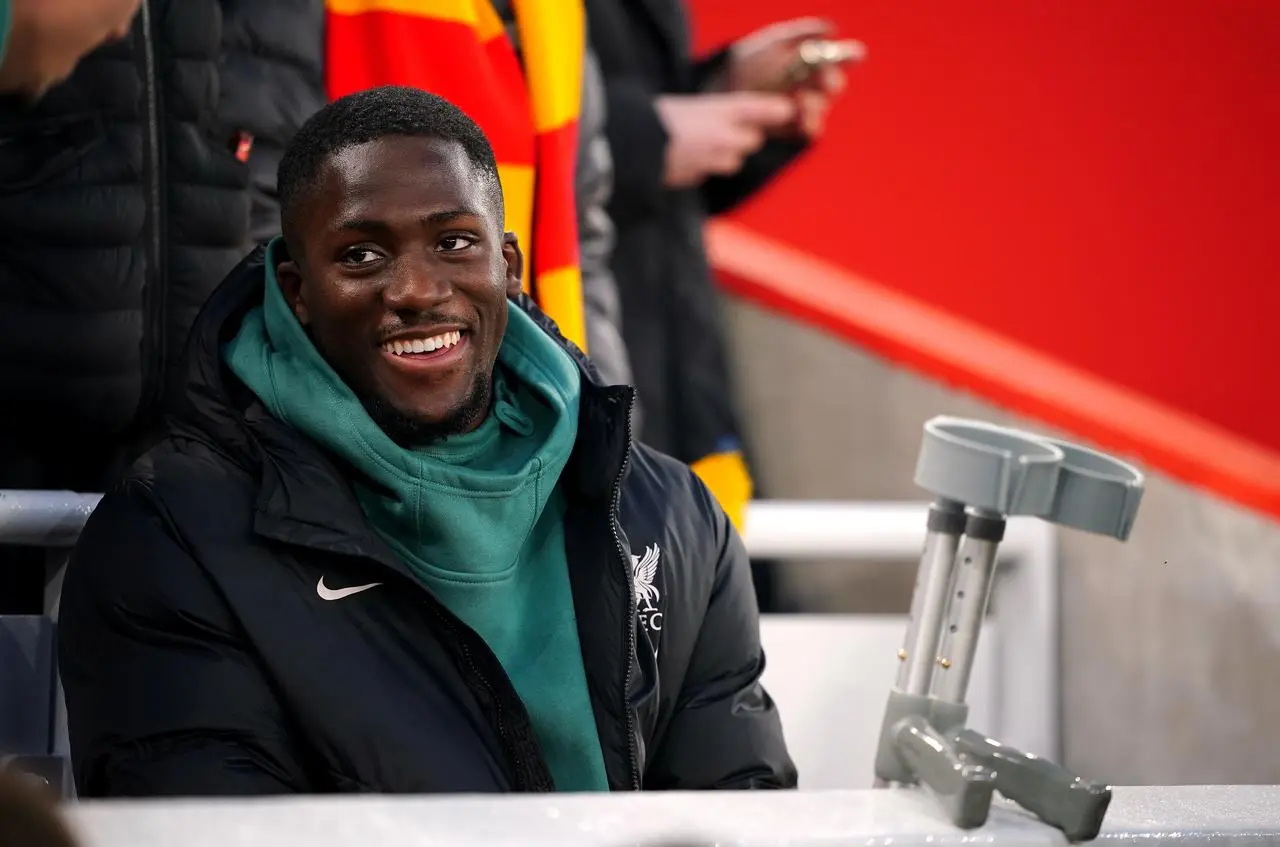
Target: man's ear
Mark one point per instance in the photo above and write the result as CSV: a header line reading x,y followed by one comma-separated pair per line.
x,y
290,279
514,258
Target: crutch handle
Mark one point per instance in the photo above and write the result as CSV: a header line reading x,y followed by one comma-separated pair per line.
x,y
1011,472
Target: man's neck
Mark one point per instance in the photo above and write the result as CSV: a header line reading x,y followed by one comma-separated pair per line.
x,y
410,432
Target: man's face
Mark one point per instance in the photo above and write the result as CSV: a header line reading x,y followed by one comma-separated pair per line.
x,y
403,281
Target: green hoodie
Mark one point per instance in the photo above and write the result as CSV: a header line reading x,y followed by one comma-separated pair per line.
x,y
477,518
6,20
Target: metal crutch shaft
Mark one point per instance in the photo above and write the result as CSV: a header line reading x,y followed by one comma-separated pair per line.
x,y
974,573
919,648
929,599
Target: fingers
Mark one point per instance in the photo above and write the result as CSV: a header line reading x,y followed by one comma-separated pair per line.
x,y
712,134
750,108
747,140
830,79
813,106
734,145
798,29
725,162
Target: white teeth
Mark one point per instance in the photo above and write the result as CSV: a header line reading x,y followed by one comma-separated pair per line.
x,y
423,345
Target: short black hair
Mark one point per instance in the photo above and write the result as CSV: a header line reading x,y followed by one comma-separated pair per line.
x,y
367,116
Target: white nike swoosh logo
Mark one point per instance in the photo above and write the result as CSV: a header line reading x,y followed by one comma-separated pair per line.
x,y
327,593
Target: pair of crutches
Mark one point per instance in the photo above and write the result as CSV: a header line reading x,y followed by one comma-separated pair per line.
x,y
980,475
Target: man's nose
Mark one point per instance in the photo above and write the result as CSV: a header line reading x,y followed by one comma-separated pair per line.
x,y
417,287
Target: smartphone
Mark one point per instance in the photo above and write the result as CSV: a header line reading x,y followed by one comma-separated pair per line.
x,y
817,53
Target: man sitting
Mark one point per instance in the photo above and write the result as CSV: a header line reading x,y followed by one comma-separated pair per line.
x,y
396,536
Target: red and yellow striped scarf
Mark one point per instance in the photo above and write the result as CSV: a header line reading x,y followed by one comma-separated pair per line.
x,y
459,50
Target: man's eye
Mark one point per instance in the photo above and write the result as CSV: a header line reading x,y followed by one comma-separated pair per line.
x,y
360,256
454,243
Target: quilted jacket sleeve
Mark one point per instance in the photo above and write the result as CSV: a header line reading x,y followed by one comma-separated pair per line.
x,y
162,696
726,732
594,184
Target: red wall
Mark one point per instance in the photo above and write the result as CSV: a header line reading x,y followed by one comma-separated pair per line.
x,y
1098,179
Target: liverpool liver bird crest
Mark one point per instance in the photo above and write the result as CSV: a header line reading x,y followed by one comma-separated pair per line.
x,y
643,571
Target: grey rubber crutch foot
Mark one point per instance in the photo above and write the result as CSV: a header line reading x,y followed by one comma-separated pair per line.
x,y
1049,791
962,787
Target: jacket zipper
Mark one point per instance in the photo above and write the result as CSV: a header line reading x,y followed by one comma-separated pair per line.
x,y
519,761
614,513
153,350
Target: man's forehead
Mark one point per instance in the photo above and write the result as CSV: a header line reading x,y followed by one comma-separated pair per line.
x,y
397,151
398,172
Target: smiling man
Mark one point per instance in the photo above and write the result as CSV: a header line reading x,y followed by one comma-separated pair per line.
x,y
397,536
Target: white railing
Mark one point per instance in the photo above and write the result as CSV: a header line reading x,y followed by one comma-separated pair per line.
x,y
1188,816
44,518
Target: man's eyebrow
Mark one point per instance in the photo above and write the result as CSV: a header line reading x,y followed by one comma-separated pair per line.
x,y
433,219
450,215
363,225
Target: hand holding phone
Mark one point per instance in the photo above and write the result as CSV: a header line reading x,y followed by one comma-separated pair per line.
x,y
798,58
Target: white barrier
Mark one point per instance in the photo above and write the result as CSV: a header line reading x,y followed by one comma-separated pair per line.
x,y
1190,816
1024,599
830,675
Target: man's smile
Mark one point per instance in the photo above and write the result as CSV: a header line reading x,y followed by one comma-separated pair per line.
x,y
423,354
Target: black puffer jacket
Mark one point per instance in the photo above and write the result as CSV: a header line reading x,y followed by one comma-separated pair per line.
x,y
272,81
123,204
198,657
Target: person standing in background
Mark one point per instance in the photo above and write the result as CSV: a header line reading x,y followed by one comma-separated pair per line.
x,y
124,199
699,136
